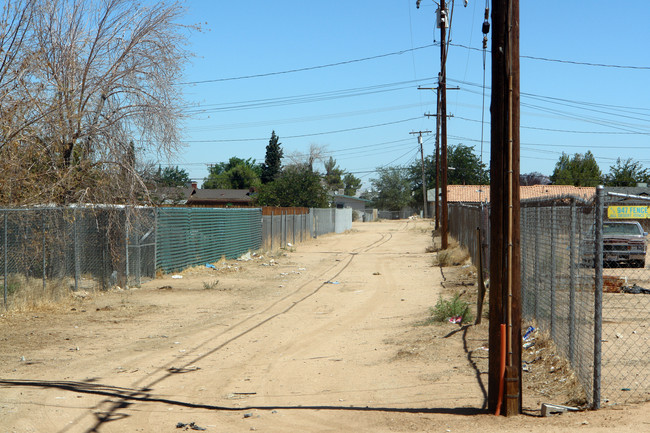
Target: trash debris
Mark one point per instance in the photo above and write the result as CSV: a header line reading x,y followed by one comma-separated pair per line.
x,y
248,415
456,319
210,265
635,290
529,331
187,426
551,409
177,277
289,245
332,282
245,257
376,273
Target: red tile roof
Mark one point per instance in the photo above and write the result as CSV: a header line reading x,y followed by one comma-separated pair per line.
x,y
481,193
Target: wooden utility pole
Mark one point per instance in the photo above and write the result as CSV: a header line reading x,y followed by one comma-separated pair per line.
x,y
442,92
424,180
504,383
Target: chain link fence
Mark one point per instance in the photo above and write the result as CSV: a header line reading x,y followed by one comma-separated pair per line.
x,y
557,283
604,334
626,301
48,251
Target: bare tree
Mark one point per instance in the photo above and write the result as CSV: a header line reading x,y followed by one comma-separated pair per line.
x,y
316,153
15,23
101,79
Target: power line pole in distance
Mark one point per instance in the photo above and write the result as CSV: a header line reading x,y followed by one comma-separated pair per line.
x,y
424,181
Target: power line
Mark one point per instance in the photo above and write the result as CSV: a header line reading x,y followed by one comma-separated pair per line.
x,y
397,53
572,62
308,68
306,135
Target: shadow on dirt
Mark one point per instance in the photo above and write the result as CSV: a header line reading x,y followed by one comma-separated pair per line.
x,y
127,396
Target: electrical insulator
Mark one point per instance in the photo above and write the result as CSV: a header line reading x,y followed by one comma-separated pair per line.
x,y
486,23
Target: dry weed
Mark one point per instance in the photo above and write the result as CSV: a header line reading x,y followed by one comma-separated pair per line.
x,y
452,256
29,294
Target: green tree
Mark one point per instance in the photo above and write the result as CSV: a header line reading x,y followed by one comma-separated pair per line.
x,y
393,190
626,173
333,175
415,178
579,170
237,173
297,185
272,161
465,167
172,176
351,184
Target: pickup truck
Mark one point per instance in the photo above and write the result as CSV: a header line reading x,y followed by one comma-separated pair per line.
x,y
624,243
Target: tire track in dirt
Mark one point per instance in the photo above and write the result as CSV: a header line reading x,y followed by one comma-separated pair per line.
x,y
141,390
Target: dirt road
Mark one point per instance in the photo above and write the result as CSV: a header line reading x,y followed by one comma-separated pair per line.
x,y
323,338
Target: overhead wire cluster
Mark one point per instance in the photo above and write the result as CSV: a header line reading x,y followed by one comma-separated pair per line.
x,y
609,119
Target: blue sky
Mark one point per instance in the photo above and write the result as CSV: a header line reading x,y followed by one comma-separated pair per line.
x,y
344,76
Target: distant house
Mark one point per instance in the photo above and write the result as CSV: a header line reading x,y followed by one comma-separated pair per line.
x,y
341,201
640,194
171,195
221,197
481,193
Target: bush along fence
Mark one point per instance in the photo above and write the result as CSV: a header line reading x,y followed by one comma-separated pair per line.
x,y
49,250
592,301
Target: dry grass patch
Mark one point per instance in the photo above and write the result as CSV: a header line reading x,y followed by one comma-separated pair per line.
x,y
29,294
452,256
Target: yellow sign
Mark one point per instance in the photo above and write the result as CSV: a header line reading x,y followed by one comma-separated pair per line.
x,y
628,212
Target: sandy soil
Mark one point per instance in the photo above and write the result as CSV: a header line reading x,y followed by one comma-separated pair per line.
x,y
323,338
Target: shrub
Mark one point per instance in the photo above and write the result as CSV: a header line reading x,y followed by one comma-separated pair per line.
x,y
454,307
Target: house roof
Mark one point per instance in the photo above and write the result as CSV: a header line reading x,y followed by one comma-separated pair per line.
x,y
220,196
349,198
640,191
170,195
481,193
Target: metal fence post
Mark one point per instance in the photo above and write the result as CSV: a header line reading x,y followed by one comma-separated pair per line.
x,y
536,265
272,234
155,241
126,242
598,296
138,255
572,284
43,229
75,234
552,271
6,267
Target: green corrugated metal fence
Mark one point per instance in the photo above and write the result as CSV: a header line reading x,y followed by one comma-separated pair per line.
x,y
195,236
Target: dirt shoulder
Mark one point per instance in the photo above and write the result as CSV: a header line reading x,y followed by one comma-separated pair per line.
x,y
324,337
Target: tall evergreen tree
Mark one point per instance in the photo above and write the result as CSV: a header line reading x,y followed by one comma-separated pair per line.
x,y
579,170
333,175
626,173
272,161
